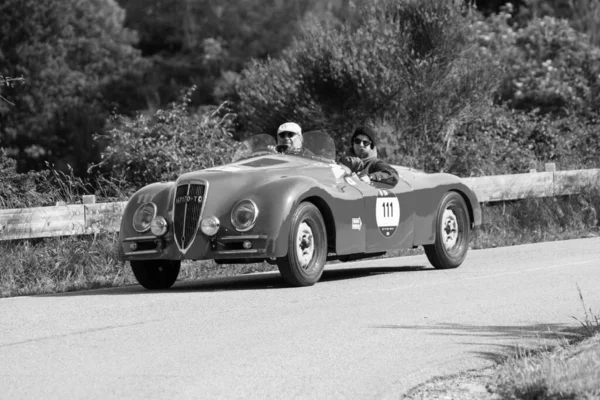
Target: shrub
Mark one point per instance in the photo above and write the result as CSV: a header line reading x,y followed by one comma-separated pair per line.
x,y
160,147
491,143
406,65
504,141
550,66
23,190
583,15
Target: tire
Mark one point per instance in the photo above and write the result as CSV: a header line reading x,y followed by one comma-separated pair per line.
x,y
452,233
156,274
307,247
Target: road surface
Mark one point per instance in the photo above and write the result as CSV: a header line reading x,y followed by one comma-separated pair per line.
x,y
371,330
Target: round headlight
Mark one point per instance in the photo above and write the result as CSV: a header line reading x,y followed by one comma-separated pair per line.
x,y
158,226
243,215
142,218
210,226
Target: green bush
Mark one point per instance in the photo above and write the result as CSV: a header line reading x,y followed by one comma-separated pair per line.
x,y
406,65
501,140
23,190
583,15
160,147
550,66
48,186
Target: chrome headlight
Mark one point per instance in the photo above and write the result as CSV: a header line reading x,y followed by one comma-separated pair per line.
x,y
243,215
159,226
210,226
142,218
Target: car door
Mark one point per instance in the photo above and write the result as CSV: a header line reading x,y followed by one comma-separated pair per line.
x,y
388,215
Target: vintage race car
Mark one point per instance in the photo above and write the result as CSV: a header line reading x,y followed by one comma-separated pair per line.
x,y
296,210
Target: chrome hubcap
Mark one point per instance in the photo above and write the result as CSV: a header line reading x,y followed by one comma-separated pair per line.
x,y
304,245
449,229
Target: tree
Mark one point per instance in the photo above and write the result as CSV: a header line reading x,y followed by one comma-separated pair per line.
x,y
8,82
207,43
71,52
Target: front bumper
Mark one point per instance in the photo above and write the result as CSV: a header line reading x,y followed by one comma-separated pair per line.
x,y
229,247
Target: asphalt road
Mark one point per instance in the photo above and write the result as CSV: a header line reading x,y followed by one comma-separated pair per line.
x,y
371,330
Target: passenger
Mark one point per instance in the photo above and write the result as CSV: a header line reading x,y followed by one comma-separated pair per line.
x,y
362,158
289,138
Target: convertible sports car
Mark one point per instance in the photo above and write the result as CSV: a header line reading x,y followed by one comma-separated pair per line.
x,y
294,210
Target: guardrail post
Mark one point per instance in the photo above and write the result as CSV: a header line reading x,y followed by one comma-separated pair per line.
x,y
88,199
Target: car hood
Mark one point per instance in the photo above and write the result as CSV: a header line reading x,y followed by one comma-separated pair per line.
x,y
247,172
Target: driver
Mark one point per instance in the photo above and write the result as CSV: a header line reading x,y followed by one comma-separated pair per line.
x,y
289,138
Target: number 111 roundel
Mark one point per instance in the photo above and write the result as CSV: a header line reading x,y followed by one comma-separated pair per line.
x,y
387,215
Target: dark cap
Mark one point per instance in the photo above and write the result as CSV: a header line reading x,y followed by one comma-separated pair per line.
x,y
367,131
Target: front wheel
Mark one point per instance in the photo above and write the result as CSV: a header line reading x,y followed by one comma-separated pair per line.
x,y
307,247
452,233
156,274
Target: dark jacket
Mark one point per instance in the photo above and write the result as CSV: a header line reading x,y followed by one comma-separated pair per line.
x,y
376,169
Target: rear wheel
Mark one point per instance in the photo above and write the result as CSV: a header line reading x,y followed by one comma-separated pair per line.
x,y
452,233
156,274
307,247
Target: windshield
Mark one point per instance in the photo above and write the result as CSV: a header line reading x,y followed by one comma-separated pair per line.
x,y
317,144
320,144
255,146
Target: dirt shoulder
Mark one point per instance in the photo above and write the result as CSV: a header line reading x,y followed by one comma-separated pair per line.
x,y
470,385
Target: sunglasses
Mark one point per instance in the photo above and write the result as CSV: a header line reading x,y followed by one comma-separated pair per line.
x,y
287,134
364,142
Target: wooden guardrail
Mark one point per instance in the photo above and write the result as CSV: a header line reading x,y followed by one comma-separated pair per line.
x,y
61,220
91,217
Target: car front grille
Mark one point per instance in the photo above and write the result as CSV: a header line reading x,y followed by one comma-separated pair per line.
x,y
189,199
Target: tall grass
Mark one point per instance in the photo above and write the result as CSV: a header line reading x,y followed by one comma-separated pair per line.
x,y
536,220
60,265
591,321
569,371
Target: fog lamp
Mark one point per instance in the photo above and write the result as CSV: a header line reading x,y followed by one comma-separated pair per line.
x,y
210,226
133,246
247,244
159,226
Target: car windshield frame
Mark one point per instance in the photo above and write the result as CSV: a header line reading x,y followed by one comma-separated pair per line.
x,y
317,145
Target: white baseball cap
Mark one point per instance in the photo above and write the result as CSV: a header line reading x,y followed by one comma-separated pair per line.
x,y
290,127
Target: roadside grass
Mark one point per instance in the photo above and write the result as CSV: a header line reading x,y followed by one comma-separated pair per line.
x,y
71,263
86,262
60,265
541,219
567,367
568,371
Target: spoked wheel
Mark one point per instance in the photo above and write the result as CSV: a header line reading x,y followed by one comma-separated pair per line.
x,y
307,247
452,233
156,274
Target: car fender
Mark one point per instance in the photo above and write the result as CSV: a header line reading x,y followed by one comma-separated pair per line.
x,y
157,193
290,192
425,228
